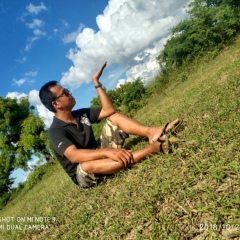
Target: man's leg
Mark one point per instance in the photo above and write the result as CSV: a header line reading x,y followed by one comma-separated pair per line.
x,y
130,126
109,166
111,137
90,172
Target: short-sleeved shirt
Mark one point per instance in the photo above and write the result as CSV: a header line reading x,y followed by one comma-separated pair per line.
x,y
62,135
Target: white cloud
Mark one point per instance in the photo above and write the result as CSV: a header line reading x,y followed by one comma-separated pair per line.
x,y
38,32
22,60
30,42
45,114
65,24
36,9
71,37
61,30
16,95
34,97
36,23
31,74
28,78
120,82
19,82
131,34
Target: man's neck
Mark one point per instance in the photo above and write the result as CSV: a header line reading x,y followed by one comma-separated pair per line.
x,y
65,116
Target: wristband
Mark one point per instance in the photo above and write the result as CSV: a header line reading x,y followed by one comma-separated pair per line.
x,y
99,85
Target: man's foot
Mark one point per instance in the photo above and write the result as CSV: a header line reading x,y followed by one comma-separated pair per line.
x,y
158,133
161,147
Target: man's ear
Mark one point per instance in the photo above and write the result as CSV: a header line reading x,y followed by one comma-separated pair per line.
x,y
55,104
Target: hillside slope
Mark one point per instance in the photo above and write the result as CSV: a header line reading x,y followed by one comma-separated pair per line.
x,y
191,194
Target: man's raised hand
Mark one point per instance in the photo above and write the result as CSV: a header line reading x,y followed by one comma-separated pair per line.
x,y
98,73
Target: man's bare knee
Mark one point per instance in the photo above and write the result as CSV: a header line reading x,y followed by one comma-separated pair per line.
x,y
114,117
87,167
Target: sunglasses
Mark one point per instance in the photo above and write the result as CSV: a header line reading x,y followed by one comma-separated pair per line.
x,y
65,92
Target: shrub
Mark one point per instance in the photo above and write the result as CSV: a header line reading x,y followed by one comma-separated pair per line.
x,y
35,176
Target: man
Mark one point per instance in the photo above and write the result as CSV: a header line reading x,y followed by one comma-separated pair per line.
x,y
71,136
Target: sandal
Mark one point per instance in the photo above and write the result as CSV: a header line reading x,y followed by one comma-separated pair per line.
x,y
172,131
171,144
177,128
167,143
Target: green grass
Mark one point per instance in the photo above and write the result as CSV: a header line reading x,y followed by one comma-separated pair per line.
x,y
164,196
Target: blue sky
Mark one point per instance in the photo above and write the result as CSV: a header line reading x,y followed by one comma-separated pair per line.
x,y
36,37
68,41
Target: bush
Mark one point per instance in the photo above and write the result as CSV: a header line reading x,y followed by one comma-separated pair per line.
x,y
126,98
35,176
4,199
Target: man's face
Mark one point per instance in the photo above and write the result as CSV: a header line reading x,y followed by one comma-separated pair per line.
x,y
63,98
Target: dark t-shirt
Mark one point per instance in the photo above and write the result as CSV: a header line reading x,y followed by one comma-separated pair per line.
x,y
63,134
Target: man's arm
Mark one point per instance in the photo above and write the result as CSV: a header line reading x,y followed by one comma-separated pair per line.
x,y
120,155
107,107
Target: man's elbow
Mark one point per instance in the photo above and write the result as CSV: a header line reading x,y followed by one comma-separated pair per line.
x,y
71,154
74,160
111,112
106,113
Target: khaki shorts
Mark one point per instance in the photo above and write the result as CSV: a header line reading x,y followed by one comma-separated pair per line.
x,y
111,137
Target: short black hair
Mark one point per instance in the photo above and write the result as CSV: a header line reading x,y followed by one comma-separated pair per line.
x,y
46,96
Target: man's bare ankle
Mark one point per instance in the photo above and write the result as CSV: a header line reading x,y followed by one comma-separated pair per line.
x,y
155,133
155,147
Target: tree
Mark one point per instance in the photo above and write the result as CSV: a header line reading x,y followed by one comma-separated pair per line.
x,y
12,114
210,24
22,134
134,94
34,138
126,98
114,95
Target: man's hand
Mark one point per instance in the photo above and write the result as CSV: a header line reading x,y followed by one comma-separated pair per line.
x,y
120,155
98,74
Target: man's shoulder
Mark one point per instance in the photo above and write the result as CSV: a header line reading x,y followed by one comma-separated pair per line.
x,y
56,126
56,133
80,111
90,113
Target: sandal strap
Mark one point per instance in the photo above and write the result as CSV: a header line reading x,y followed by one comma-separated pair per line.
x,y
161,148
166,141
164,130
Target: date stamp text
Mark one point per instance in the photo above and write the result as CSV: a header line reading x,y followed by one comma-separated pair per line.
x,y
217,227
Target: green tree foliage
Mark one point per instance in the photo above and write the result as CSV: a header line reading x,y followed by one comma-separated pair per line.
x,y
126,98
34,138
35,176
22,134
133,95
12,115
210,24
114,95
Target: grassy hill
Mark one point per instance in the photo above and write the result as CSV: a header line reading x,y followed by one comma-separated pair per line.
x,y
191,194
